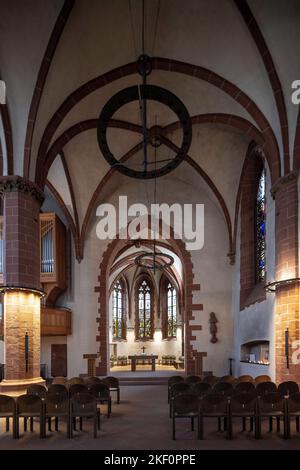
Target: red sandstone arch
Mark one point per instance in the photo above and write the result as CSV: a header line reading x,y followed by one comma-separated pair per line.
x,y
41,80
1,160
4,114
103,290
267,59
169,65
226,119
296,162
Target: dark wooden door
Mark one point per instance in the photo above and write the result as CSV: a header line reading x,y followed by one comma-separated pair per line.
x,y
59,360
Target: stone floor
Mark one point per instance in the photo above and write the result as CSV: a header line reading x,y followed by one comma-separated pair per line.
x,y
141,421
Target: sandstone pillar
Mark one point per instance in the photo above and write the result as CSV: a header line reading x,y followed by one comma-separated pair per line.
x,y
287,267
21,280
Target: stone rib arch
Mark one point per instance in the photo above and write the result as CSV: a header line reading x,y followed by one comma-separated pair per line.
x,y
102,288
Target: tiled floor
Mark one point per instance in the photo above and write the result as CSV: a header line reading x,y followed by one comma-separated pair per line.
x,y
141,421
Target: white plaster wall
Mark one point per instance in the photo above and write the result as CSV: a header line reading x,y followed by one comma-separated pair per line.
x,y
256,322
210,34
25,29
273,16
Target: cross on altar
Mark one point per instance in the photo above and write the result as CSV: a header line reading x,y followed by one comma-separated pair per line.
x,y
143,349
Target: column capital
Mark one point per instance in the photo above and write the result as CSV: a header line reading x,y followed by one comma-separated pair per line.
x,y
13,183
281,182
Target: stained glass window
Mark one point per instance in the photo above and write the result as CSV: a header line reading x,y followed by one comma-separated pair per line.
x,y
172,311
144,318
260,228
118,311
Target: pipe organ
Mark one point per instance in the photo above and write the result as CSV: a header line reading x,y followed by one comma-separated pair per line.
x,y
53,253
54,320
47,246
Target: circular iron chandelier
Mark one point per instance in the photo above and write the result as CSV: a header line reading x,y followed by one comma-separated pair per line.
x,y
154,260
151,137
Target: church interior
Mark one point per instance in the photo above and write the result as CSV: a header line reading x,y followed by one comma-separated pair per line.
x,y
149,224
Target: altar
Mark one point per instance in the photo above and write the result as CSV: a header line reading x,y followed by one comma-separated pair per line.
x,y
142,357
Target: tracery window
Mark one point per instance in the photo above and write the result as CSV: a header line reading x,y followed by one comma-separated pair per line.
x,y
171,326
144,324
119,331
260,228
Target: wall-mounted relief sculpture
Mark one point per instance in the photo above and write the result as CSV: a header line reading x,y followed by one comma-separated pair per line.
x,y
213,327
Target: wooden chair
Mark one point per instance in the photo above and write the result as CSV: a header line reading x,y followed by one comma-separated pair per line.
x,y
76,381
29,406
285,389
214,405
224,388
245,378
210,379
262,378
200,389
8,411
228,378
56,406
171,381
83,405
38,390
293,411
114,385
248,387
185,406
60,381
263,388
178,389
271,405
77,388
58,389
192,379
92,381
243,405
101,394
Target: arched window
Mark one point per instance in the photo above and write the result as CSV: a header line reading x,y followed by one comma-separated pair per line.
x,y
260,228
144,311
171,326
119,322
252,229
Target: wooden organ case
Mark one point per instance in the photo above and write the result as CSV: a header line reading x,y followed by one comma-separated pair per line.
x,y
55,321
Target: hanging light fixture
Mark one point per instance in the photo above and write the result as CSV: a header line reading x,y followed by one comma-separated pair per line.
x,y
154,260
143,93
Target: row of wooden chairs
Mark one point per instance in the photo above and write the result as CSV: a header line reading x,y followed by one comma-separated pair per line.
x,y
112,382
53,405
100,391
243,405
200,389
224,386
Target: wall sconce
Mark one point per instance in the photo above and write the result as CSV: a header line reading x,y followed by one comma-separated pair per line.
x,y
273,286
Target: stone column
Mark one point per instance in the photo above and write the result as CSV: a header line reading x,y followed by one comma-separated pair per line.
x,y
21,280
287,267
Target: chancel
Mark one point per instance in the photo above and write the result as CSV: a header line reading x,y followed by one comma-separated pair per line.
x,y
149,224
